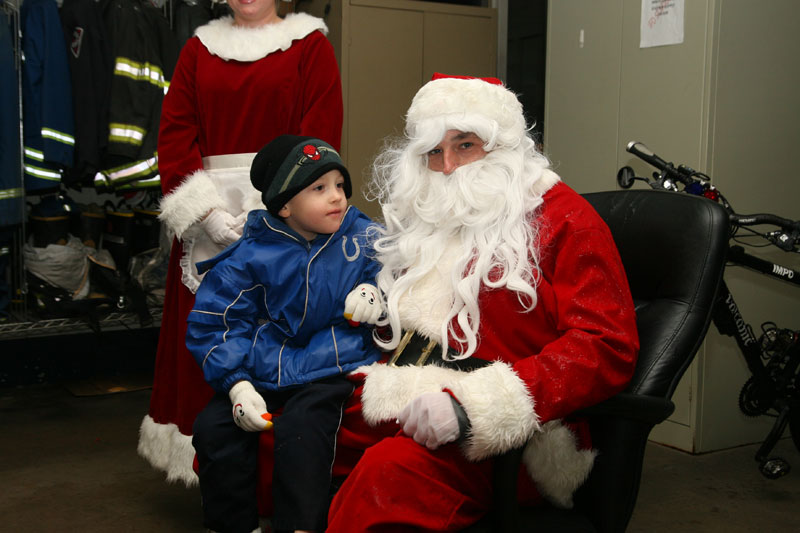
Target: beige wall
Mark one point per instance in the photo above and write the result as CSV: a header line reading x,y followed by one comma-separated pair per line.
x,y
387,49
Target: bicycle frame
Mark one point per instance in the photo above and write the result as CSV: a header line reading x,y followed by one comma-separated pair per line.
x,y
738,256
727,317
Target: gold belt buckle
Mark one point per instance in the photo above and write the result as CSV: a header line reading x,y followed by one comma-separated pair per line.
x,y
407,336
425,353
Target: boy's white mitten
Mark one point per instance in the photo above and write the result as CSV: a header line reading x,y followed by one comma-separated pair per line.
x,y
430,419
221,227
248,407
363,305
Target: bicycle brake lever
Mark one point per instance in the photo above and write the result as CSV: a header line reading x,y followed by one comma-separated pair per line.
x,y
663,181
785,241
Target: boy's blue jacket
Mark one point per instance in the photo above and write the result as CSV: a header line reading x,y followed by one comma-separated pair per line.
x,y
270,310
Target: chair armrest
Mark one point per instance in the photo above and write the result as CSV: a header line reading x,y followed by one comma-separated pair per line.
x,y
637,407
649,410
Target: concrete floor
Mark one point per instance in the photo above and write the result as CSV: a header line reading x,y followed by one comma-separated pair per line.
x,y
69,464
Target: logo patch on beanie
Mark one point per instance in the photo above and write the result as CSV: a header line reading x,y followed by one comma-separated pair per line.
x,y
311,152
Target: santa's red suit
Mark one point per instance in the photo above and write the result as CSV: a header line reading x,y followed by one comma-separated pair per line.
x,y
234,89
575,348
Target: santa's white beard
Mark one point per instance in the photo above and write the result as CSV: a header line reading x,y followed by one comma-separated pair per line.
x,y
473,196
447,237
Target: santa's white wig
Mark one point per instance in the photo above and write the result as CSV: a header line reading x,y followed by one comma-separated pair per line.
x,y
481,215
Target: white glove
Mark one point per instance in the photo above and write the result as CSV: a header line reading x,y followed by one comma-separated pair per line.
x,y
239,222
222,227
430,419
249,407
363,305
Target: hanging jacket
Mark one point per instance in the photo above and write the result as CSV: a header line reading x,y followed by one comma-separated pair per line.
x,y
48,125
270,309
89,59
144,52
11,191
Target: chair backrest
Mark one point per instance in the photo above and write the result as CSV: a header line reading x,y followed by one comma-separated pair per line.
x,y
673,247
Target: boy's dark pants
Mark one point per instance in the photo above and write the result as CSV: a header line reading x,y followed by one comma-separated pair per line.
x,y
305,440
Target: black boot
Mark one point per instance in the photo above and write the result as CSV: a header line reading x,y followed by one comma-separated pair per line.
x,y
117,238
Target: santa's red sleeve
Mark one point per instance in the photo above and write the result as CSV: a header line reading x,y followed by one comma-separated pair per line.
x,y
594,356
579,345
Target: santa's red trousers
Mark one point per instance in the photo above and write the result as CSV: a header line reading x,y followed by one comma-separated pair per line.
x,y
393,483
400,485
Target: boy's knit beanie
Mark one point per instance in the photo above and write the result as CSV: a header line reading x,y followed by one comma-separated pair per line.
x,y
289,164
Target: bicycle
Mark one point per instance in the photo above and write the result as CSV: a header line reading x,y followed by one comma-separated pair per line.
x,y
773,358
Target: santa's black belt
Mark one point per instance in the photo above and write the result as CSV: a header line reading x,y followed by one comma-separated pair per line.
x,y
414,349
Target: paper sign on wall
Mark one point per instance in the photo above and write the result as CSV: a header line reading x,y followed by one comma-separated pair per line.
x,y
662,23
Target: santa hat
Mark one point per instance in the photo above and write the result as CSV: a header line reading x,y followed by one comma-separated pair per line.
x,y
289,164
461,100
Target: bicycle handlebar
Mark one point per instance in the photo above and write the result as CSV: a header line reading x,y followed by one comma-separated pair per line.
x,y
786,239
644,153
693,183
766,218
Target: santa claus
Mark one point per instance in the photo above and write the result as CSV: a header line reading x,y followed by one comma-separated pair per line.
x,y
489,256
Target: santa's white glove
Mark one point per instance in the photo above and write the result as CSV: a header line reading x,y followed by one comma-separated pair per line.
x,y
430,419
222,227
249,408
363,305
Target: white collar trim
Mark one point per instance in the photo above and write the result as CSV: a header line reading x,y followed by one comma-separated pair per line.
x,y
227,41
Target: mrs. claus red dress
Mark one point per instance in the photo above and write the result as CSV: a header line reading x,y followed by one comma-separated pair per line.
x,y
234,89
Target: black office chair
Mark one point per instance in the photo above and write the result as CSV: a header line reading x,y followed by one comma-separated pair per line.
x,y
673,247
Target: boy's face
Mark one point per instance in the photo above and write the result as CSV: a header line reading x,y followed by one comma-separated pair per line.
x,y
319,208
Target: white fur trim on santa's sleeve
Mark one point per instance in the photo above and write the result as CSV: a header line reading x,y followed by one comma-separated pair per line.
x,y
190,202
502,415
555,463
496,401
500,409
388,389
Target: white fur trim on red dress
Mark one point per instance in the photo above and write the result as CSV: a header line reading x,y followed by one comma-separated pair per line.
x,y
224,39
190,202
167,449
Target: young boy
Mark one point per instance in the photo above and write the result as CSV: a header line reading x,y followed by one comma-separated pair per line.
x,y
269,330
